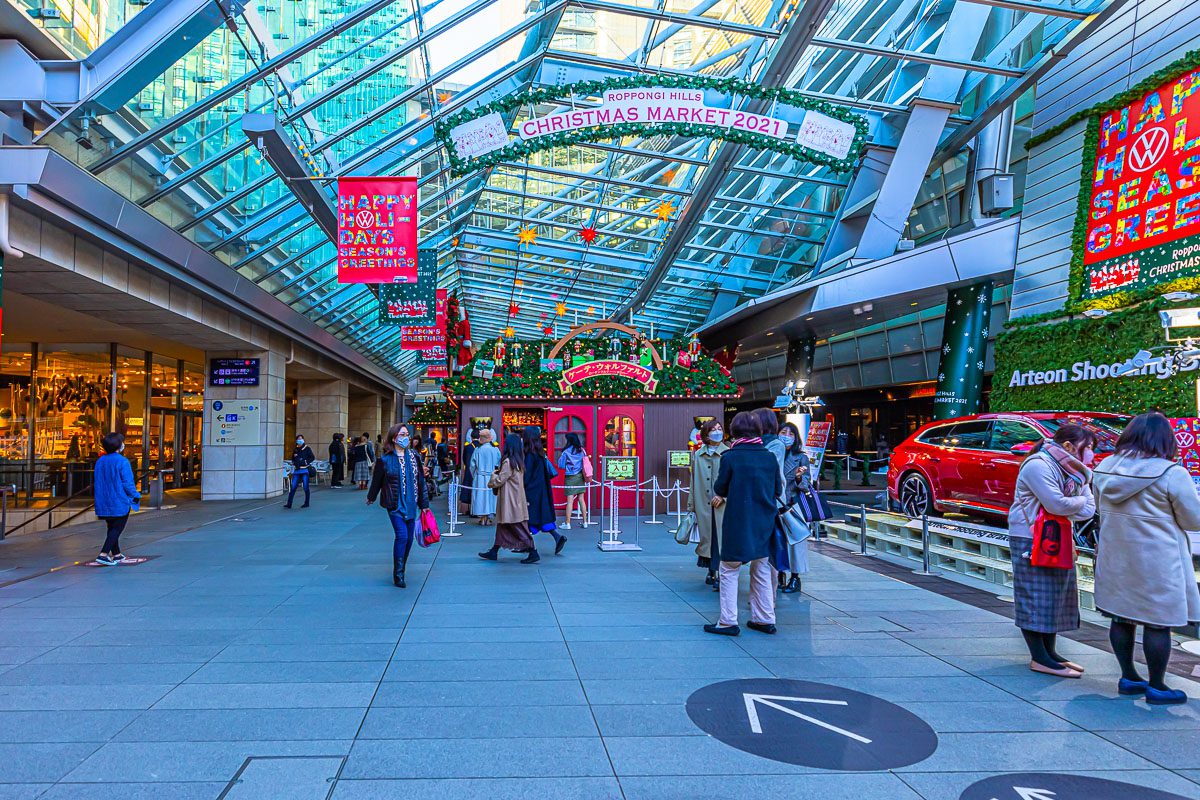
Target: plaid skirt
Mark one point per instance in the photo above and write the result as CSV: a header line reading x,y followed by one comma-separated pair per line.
x,y
362,472
1046,599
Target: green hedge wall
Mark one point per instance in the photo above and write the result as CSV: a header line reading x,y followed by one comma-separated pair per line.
x,y
1102,341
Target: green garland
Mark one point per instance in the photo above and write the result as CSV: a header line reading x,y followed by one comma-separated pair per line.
x,y
704,378
1189,62
429,413
519,149
1112,339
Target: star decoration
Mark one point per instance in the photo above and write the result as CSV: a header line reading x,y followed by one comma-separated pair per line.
x,y
513,309
665,210
560,308
588,233
548,330
444,97
591,309
518,283
543,315
509,332
527,235
670,174
454,242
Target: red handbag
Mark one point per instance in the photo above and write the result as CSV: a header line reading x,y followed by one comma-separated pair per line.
x,y
429,529
1053,542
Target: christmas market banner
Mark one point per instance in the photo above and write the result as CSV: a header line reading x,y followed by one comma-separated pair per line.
x,y
589,366
412,303
423,337
811,130
377,230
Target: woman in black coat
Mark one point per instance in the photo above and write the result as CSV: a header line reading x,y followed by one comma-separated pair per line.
x,y
748,485
542,518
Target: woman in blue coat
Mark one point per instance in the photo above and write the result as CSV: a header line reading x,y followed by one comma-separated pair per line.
x,y
115,494
748,485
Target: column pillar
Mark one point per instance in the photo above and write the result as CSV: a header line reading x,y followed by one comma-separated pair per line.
x,y
245,471
964,351
322,409
366,414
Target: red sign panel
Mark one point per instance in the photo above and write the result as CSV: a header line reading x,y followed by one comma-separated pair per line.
x,y
377,230
1145,195
818,434
424,337
612,369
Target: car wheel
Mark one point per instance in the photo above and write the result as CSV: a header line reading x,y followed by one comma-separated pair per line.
x,y
916,498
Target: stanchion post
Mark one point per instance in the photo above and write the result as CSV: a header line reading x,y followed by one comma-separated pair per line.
x,y
654,520
862,529
925,570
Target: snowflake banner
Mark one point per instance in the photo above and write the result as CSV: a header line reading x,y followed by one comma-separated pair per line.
x,y
960,372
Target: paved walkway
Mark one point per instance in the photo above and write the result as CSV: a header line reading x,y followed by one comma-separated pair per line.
x,y
265,655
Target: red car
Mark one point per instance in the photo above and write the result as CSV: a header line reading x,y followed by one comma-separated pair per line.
x,y
969,464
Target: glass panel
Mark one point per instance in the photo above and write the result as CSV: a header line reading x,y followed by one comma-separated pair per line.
x,y
193,387
131,402
973,435
14,406
74,385
567,425
1006,433
164,387
620,436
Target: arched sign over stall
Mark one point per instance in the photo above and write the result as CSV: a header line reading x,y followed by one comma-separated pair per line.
x,y
698,106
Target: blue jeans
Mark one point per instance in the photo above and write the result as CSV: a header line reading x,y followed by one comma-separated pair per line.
x,y
298,476
405,530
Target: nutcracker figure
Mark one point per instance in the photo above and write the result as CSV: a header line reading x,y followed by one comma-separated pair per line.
x,y
614,347
517,348
500,351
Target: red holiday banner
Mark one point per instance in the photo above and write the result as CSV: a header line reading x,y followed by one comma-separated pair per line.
x,y
377,230
425,337
612,369
1145,194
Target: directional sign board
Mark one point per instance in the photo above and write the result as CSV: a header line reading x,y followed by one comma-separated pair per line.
x,y
1051,786
235,422
812,724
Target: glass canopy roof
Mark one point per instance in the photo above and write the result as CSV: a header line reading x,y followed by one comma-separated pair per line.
x,y
359,85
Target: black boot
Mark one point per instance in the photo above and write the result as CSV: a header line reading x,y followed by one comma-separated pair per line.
x,y
532,558
793,585
490,555
398,573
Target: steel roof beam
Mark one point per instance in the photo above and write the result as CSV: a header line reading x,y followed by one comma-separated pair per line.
x,y
783,59
1033,7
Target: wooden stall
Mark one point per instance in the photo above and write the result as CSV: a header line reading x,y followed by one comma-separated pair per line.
x,y
620,392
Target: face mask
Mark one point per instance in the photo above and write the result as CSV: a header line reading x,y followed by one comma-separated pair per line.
x,y
122,450
787,440
716,436
402,442
299,443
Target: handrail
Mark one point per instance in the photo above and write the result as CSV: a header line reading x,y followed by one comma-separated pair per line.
x,y
63,501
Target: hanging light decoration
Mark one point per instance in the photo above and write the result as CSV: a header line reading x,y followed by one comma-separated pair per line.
x,y
588,233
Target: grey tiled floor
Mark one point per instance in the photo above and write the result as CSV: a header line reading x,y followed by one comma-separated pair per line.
x,y
268,656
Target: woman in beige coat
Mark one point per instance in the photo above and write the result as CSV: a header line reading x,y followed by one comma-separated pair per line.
x,y
512,509
1144,573
706,462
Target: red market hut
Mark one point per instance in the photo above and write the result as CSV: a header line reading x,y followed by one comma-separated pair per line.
x,y
622,393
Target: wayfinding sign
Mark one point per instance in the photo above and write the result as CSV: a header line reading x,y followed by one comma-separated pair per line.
x,y
235,422
1053,786
812,724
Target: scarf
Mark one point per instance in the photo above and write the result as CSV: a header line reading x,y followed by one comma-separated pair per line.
x,y
748,440
1074,469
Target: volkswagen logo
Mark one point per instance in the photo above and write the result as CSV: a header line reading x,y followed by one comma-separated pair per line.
x,y
1148,149
365,219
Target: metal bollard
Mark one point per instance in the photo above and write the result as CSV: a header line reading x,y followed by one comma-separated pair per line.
x,y
862,530
654,520
924,570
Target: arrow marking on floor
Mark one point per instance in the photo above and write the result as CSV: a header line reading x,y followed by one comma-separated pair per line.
x,y
1034,794
752,701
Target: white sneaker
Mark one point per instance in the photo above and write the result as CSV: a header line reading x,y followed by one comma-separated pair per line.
x,y
566,526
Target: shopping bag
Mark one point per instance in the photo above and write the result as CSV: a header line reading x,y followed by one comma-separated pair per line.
x,y
794,523
777,548
429,528
587,467
1053,544
687,523
812,505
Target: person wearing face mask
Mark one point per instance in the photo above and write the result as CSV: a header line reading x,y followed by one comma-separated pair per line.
x,y
400,477
1055,476
796,479
115,495
706,462
302,458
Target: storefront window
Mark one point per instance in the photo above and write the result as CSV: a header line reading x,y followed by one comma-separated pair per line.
x,y
131,402
74,383
14,404
193,387
164,388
